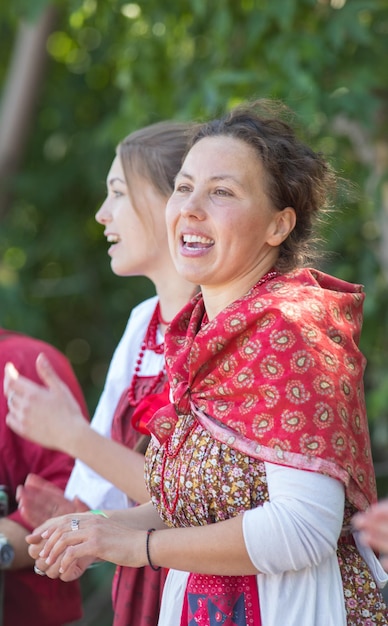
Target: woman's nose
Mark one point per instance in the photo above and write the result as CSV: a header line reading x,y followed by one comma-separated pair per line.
x,y
103,215
193,206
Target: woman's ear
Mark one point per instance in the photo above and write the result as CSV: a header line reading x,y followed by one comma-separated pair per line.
x,y
283,223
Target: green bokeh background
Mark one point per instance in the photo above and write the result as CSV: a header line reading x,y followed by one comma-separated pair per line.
x,y
113,66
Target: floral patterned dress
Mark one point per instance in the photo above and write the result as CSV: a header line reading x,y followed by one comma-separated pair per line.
x,y
196,480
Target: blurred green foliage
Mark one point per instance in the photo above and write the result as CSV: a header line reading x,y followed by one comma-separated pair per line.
x,y
115,66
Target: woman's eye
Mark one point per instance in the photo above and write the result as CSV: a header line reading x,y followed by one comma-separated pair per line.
x,y
222,192
183,188
116,193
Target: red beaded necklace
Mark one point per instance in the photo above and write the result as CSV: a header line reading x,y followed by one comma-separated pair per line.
x,y
149,343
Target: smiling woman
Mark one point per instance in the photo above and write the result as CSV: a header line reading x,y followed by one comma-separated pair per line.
x,y
222,227
262,457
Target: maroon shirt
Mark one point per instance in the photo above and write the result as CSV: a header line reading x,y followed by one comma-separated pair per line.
x,y
29,598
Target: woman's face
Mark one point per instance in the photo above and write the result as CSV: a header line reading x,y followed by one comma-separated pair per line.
x,y
137,241
223,232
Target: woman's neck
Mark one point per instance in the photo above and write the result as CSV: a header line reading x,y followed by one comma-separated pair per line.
x,y
173,296
216,299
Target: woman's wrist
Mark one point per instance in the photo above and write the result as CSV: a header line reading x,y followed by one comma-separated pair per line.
x,y
78,437
151,563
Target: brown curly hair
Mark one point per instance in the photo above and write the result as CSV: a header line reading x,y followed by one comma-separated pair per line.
x,y
296,176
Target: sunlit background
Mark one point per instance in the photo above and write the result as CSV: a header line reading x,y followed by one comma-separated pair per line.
x,y
76,77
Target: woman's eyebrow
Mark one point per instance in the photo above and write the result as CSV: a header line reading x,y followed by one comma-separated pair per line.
x,y
116,179
217,177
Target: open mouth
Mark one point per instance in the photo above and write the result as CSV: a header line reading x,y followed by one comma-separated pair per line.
x,y
195,242
113,238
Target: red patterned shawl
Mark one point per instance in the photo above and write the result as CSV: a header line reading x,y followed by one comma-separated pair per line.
x,y
278,375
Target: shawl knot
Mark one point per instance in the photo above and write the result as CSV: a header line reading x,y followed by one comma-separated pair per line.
x,y
163,422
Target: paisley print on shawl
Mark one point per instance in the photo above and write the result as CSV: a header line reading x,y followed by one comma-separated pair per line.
x,y
295,397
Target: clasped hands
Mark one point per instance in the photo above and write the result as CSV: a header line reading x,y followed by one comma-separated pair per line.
x,y
64,547
53,568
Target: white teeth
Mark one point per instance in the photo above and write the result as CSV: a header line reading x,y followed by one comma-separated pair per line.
x,y
112,238
196,239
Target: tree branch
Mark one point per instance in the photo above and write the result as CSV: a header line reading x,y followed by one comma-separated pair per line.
x,y
20,95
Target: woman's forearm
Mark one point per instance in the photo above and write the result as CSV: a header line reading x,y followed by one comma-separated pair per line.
x,y
212,549
140,517
231,547
122,539
120,465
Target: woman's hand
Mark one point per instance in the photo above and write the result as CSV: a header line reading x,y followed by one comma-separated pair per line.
x,y
373,527
96,537
40,500
49,414
52,571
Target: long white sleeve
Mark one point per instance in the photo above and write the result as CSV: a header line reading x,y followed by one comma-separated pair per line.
x,y
292,539
299,526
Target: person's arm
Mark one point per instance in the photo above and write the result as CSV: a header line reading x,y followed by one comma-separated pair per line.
x,y
121,539
115,462
50,416
299,527
233,547
16,536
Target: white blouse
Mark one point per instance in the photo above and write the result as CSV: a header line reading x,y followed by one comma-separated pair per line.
x,y
89,486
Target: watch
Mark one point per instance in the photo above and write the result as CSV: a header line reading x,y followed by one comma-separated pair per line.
x,y
7,553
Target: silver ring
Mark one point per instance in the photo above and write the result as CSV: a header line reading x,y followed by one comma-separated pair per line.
x,y
74,524
38,571
10,397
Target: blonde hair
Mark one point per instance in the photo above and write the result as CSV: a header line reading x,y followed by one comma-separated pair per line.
x,y
155,153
